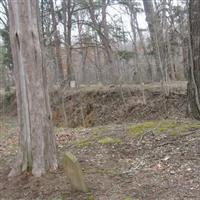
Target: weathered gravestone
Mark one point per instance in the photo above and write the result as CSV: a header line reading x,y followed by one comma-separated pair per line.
x,y
73,171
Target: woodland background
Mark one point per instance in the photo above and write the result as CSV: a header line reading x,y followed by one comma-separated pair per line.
x,y
107,41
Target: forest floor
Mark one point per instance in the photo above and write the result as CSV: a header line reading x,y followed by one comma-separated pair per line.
x,y
157,157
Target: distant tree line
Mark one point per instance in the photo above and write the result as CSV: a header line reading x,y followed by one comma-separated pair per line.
x,y
87,43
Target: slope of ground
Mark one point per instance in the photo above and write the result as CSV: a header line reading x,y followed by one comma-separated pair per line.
x,y
99,105
150,160
145,149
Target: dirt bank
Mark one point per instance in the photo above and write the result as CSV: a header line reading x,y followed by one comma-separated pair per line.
x,y
117,104
99,105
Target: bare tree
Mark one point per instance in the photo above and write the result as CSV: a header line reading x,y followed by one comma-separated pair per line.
x,y
101,29
37,150
154,28
6,65
133,11
83,47
68,8
57,43
194,71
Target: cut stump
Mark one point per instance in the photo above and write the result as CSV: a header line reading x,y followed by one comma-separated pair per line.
x,y
73,171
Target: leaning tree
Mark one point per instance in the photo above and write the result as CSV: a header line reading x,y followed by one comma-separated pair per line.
x,y
194,69
37,149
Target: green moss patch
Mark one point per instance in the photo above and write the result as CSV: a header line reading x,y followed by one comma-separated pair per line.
x,y
110,172
90,198
83,143
109,140
168,126
128,198
140,128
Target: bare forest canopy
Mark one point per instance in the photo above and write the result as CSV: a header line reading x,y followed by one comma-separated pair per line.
x,y
107,41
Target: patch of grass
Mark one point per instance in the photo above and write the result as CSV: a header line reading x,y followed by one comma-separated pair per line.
x,y
83,143
182,128
90,198
140,128
128,198
109,140
164,126
195,125
169,126
57,198
111,172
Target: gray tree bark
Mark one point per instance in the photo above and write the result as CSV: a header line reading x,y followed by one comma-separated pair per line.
x,y
83,49
37,148
69,32
102,30
194,70
152,24
57,43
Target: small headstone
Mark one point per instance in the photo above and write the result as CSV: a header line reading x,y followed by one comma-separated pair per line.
x,y
73,171
72,84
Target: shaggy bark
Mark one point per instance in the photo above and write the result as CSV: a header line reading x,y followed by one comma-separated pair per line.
x,y
37,149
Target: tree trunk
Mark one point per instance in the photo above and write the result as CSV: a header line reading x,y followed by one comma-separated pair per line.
x,y
194,71
139,71
83,51
68,11
37,149
185,53
105,32
97,58
70,74
102,31
57,43
151,21
149,67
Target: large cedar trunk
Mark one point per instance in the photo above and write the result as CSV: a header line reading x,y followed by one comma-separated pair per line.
x,y
194,70
37,150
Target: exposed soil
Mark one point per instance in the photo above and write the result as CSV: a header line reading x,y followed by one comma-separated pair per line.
x,y
99,105
119,162
114,104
